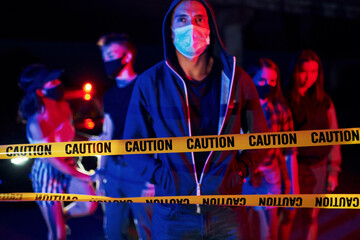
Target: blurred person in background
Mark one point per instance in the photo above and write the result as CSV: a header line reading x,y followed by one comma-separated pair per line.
x,y
277,173
312,108
114,177
48,119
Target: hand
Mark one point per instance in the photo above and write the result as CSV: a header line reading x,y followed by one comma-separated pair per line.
x,y
97,175
149,190
94,138
332,182
287,186
83,175
256,178
100,137
100,188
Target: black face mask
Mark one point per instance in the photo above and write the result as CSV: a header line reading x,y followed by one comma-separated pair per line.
x,y
265,91
114,67
55,93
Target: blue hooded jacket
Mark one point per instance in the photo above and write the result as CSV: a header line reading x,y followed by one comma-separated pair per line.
x,y
159,107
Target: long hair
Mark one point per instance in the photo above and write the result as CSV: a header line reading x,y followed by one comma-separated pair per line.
x,y
317,90
266,62
30,104
32,78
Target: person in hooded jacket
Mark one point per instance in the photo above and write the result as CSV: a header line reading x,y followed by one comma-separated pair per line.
x,y
197,90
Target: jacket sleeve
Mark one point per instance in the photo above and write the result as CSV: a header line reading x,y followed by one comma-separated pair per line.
x,y
335,153
138,124
253,121
290,154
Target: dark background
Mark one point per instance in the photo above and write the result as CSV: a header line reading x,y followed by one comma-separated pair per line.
x,y
63,34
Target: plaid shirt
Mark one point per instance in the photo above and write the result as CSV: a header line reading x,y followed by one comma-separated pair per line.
x,y
278,117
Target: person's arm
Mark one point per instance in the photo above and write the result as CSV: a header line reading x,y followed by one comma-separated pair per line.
x,y
285,176
35,135
292,168
335,153
107,129
138,124
253,121
107,133
99,175
288,164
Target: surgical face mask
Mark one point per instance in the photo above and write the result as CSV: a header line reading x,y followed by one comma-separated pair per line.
x,y
114,67
191,40
265,91
55,93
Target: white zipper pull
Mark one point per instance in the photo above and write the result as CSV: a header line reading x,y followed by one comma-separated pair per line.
x,y
198,193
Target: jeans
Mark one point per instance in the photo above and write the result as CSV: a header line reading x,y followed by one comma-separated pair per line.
x,y
312,180
175,222
121,182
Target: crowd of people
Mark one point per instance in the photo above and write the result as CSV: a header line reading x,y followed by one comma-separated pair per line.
x,y
196,90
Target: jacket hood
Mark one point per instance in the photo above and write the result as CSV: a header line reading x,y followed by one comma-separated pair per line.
x,y
216,46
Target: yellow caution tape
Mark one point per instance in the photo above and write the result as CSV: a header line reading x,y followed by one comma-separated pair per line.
x,y
334,201
194,144
184,144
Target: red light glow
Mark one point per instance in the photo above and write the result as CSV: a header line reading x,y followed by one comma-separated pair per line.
x,y
87,97
89,123
87,87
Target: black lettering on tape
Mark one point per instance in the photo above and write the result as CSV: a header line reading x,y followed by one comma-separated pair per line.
x,y
210,142
224,201
280,201
342,202
333,136
276,139
88,148
149,145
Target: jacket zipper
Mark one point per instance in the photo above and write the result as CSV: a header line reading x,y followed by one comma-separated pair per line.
x,y
198,182
198,187
222,125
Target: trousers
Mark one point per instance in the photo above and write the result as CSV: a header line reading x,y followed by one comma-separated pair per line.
x,y
121,182
172,222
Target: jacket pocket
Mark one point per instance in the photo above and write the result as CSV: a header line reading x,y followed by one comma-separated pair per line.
x,y
164,211
161,178
234,178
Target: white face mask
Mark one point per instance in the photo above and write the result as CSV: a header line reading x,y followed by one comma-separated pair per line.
x,y
191,40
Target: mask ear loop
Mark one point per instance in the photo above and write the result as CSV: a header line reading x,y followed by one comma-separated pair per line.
x,y
126,56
